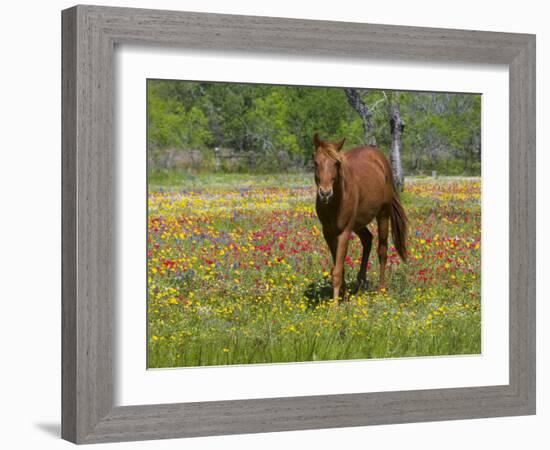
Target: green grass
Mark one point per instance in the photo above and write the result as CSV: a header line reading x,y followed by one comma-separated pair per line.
x,y
238,274
178,180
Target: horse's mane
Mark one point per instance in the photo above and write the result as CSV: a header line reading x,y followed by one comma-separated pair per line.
x,y
330,151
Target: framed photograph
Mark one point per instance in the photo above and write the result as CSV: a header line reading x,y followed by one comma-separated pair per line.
x,y
279,224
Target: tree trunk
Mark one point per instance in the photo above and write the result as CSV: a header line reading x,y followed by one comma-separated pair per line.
x,y
357,103
396,126
217,158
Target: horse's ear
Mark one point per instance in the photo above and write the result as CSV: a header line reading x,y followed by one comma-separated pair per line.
x,y
340,144
316,140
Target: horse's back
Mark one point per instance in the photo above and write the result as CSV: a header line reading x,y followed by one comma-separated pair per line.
x,y
369,162
372,172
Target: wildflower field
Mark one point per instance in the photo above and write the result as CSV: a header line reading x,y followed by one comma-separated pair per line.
x,y
238,273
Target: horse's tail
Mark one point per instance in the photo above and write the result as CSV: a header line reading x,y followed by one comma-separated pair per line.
x,y
399,226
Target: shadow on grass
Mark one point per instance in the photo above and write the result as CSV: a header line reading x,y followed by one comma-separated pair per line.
x,y
320,291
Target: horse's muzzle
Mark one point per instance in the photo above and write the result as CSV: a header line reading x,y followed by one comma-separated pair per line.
x,y
325,196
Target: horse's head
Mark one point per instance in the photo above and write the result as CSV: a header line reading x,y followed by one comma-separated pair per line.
x,y
328,161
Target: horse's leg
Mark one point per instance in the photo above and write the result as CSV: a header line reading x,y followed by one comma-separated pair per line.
x,y
331,242
383,231
366,241
338,281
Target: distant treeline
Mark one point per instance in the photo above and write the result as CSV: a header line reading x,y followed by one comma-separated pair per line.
x,y
264,128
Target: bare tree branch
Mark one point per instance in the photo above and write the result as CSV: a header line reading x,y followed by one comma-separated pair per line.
x,y
397,125
357,103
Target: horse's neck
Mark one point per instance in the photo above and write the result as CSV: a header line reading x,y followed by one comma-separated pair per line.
x,y
342,208
343,182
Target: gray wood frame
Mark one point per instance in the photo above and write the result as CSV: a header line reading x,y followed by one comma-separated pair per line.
x,y
89,36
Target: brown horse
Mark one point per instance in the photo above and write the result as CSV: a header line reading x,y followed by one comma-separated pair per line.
x,y
354,188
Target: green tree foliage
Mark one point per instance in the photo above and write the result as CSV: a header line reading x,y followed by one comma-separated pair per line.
x,y
443,132
271,126
174,120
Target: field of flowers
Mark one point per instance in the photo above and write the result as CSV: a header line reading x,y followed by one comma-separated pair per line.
x,y
238,273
